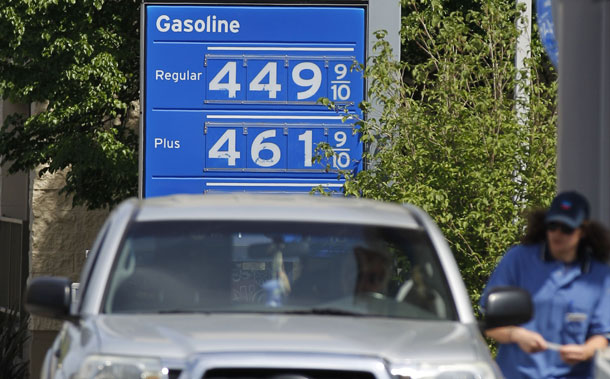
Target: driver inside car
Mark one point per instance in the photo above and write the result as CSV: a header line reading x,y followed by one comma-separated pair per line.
x,y
373,271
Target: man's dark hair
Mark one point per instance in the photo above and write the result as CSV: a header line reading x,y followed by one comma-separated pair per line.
x,y
595,236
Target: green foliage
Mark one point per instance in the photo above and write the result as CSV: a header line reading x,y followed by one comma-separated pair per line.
x,y
13,336
447,137
82,57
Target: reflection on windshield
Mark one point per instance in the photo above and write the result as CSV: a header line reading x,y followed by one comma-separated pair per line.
x,y
173,267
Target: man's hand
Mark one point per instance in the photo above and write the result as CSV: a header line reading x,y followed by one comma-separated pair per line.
x,y
528,341
572,354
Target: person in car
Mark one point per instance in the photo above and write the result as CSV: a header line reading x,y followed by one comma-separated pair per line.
x,y
373,271
561,262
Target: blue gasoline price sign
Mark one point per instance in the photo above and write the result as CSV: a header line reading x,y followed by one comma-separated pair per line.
x,y
231,97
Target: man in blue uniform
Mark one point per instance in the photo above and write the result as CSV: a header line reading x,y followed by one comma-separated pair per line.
x,y
561,263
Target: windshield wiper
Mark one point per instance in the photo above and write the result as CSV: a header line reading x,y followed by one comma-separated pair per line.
x,y
310,311
324,311
178,311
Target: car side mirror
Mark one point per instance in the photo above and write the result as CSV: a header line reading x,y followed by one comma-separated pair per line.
x,y
49,297
506,306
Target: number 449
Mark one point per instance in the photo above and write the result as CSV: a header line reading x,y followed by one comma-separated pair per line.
x,y
305,74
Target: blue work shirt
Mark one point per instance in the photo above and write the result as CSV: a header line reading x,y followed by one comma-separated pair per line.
x,y
571,304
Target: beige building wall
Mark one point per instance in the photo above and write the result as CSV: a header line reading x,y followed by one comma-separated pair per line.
x,y
59,236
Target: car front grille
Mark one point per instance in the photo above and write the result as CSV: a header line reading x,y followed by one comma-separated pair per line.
x,y
282,365
258,373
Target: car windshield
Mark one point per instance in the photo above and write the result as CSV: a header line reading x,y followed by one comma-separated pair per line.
x,y
279,267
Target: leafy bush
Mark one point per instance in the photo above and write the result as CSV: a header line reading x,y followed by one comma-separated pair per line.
x,y
447,137
13,336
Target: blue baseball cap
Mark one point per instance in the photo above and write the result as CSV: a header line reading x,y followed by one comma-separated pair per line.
x,y
570,208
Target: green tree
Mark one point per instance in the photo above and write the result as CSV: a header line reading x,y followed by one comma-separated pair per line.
x,y
447,137
81,58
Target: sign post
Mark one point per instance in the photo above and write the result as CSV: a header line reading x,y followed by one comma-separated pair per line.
x,y
230,96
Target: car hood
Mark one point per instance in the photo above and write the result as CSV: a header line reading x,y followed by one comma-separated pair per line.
x,y
178,336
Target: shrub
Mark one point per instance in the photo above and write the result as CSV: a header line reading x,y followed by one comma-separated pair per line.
x,y
13,336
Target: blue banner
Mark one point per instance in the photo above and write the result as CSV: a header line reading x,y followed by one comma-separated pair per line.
x,y
546,29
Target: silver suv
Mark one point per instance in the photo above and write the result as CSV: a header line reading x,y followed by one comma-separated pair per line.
x,y
261,286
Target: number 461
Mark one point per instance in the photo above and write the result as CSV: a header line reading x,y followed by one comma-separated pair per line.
x,y
228,138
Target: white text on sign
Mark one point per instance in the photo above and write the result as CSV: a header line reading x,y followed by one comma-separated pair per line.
x,y
166,143
276,148
271,79
209,25
177,76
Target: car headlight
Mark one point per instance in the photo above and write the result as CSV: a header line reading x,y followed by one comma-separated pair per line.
x,y
471,370
115,367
